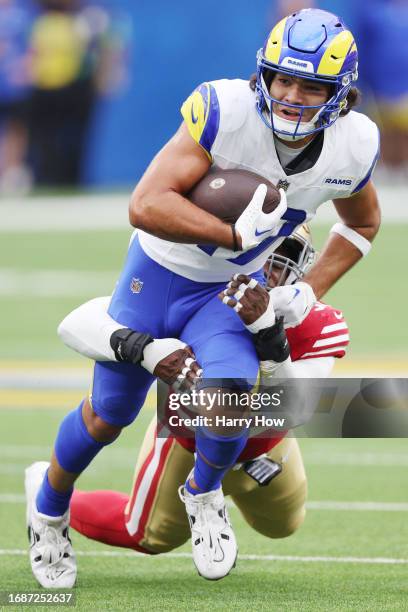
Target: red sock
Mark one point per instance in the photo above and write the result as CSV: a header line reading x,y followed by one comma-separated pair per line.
x,y
100,515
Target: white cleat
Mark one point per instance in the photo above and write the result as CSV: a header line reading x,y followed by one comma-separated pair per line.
x,y
213,541
51,554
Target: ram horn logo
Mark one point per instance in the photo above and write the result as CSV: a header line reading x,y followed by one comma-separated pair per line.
x,y
136,285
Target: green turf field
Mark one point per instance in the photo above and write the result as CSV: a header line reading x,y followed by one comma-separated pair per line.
x,y
341,559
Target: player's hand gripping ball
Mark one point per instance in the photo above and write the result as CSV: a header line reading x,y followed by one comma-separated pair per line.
x,y
242,198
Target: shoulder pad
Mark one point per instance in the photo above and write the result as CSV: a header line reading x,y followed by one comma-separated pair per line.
x,y
235,98
201,113
364,145
219,106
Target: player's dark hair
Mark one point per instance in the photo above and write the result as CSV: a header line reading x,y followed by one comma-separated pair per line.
x,y
353,96
290,248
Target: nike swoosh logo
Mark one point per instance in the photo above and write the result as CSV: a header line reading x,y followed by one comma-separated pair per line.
x,y
338,316
194,119
59,573
297,291
260,233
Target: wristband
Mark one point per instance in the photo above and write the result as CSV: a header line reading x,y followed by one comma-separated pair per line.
x,y
271,344
128,345
158,350
361,243
234,238
266,320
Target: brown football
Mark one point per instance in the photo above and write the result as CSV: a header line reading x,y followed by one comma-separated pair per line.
x,y
226,193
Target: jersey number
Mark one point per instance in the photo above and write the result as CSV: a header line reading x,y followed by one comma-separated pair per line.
x,y
292,218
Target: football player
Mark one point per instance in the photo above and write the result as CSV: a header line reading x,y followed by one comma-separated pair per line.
x,y
292,124
268,482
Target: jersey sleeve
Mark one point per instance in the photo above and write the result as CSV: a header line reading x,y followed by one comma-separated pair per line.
x,y
369,151
324,333
201,113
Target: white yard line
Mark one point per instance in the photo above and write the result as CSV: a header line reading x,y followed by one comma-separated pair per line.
x,y
106,211
360,506
349,458
365,506
360,459
65,213
49,376
11,468
12,498
23,453
42,283
13,552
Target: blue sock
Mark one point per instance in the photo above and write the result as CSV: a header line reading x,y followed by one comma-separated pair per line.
x,y
52,502
220,451
74,448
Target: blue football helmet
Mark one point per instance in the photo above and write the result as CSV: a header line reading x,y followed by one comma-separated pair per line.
x,y
310,44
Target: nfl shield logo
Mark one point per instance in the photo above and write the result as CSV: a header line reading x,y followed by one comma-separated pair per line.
x,y
136,285
283,184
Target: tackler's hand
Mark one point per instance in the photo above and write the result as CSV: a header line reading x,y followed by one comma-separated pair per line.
x,y
251,301
293,302
172,361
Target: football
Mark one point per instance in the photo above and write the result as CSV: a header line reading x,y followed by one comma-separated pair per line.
x,y
226,193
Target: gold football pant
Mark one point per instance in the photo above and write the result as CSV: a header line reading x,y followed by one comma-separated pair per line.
x,y
156,519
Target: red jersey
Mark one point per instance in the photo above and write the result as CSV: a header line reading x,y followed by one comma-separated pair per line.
x,y
324,333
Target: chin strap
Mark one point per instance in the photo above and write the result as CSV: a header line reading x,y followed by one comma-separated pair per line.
x,y
284,128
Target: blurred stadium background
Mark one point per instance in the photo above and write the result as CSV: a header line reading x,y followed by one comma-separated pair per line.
x,y
63,238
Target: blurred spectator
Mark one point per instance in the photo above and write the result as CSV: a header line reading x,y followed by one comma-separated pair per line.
x,y
74,59
383,45
15,23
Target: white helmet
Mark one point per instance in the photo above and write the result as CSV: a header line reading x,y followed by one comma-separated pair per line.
x,y
301,256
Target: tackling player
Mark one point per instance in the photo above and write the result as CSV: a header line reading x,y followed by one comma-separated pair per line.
x,y
268,483
295,127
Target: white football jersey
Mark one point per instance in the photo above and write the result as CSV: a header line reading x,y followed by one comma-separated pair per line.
x,y
222,117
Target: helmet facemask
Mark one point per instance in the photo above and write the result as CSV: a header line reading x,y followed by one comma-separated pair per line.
x,y
326,114
300,256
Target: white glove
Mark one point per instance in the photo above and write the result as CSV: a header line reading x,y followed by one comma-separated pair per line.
x,y
254,225
293,302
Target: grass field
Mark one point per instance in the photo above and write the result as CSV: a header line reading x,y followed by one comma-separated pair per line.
x,y
352,552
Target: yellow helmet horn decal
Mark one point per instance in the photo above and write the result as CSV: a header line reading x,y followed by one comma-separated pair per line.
x,y
335,54
274,44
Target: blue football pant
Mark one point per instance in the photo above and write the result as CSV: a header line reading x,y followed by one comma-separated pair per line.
x,y
151,299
